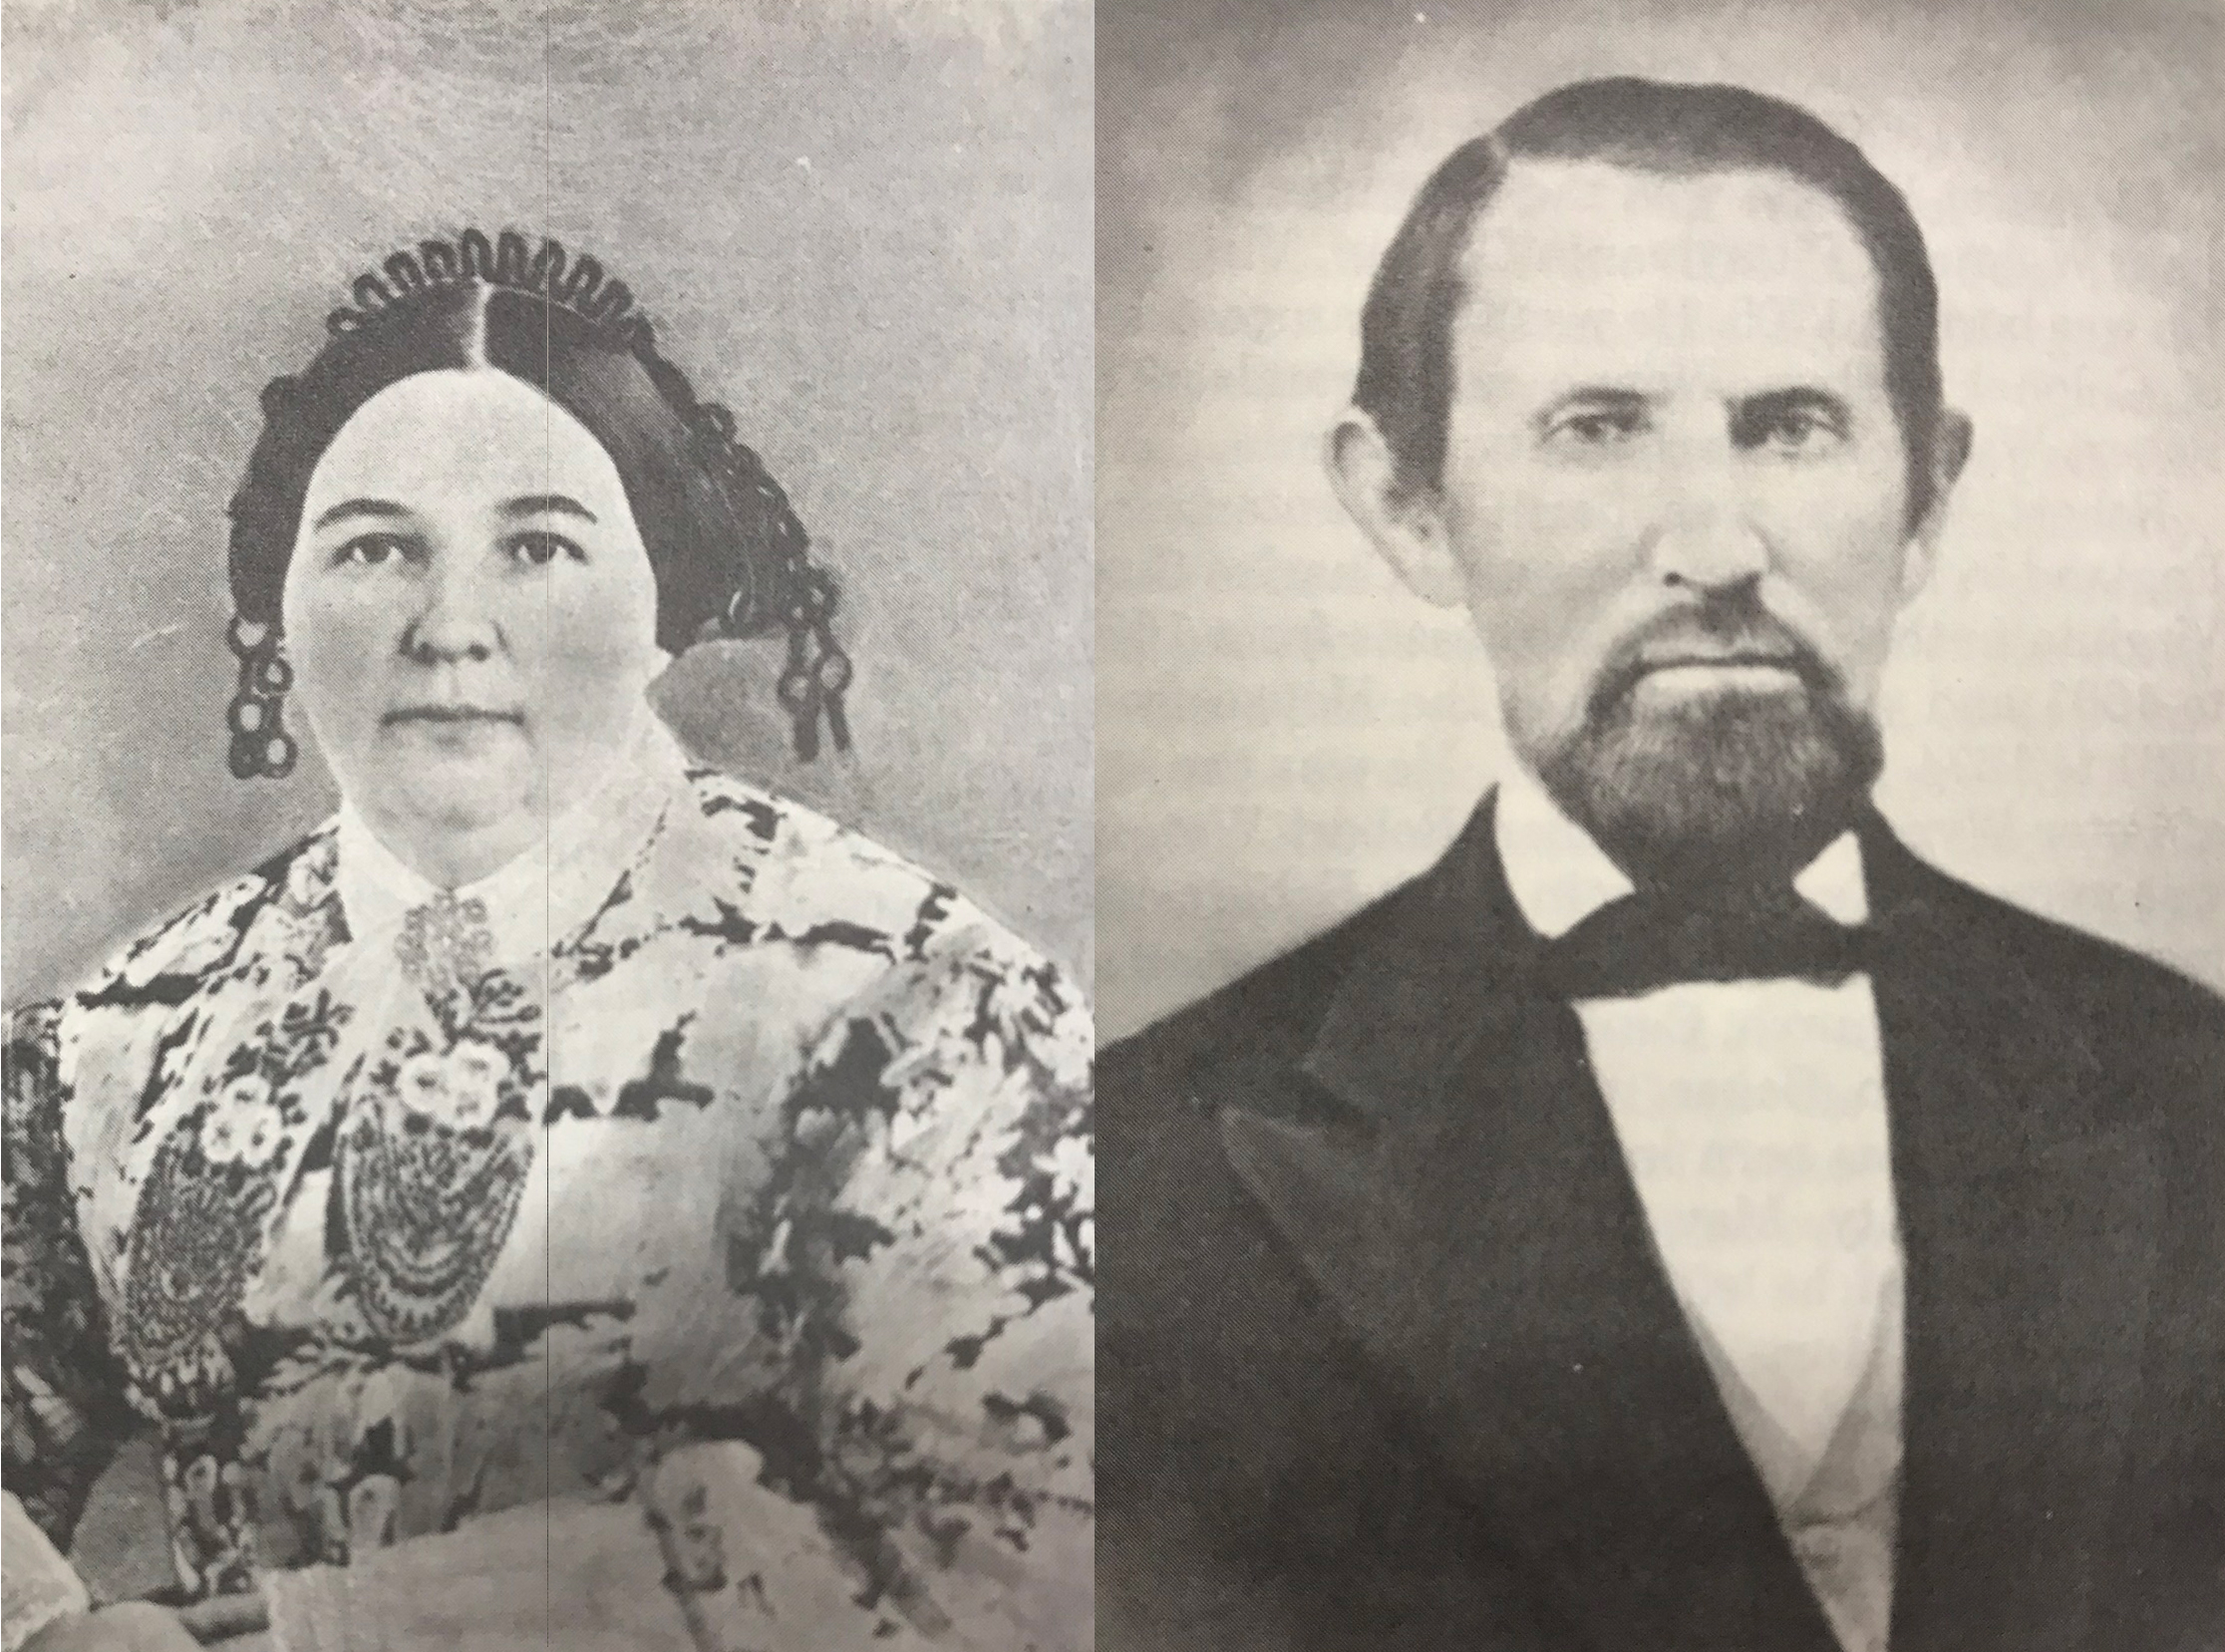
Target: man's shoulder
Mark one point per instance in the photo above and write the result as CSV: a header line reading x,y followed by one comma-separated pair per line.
x,y
2129,1006
1271,1012
2101,973
2130,1012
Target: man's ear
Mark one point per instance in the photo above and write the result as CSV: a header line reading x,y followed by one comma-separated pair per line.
x,y
1403,525
1950,453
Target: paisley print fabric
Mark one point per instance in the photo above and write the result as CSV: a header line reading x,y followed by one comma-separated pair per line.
x,y
386,1210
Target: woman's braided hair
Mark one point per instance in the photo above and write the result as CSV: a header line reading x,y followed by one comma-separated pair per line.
x,y
731,557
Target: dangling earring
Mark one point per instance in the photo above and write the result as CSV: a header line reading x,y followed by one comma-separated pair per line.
x,y
260,746
817,673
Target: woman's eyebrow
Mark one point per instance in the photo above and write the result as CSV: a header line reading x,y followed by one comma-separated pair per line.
x,y
536,504
384,509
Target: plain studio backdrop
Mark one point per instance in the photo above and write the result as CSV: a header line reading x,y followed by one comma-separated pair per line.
x,y
862,225
1283,732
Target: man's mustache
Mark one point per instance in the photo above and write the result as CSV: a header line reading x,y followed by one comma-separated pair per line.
x,y
1724,627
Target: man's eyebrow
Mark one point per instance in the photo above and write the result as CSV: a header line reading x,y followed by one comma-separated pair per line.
x,y
348,509
1616,394
1790,397
539,504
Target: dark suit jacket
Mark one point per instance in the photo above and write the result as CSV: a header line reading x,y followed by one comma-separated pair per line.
x,y
1386,1358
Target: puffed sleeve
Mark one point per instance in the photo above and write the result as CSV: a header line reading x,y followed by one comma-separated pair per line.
x,y
929,1242
65,1411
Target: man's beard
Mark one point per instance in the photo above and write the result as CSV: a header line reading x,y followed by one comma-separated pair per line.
x,y
1741,786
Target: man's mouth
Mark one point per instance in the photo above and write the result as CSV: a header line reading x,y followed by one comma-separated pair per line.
x,y
1721,662
1697,667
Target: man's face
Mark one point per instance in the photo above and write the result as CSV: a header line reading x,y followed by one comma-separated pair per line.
x,y
1677,495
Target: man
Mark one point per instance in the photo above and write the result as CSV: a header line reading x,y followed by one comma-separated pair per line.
x,y
1681,1218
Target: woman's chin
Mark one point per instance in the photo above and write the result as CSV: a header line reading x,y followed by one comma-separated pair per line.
x,y
459,792
480,742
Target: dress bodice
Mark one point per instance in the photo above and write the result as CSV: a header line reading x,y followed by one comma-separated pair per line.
x,y
719,1123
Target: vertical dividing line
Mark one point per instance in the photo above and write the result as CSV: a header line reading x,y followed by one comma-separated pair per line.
x,y
548,939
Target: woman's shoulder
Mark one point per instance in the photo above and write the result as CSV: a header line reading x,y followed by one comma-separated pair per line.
x,y
285,900
801,875
797,876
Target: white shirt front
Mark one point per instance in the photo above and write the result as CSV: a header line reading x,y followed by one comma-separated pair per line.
x,y
1752,1118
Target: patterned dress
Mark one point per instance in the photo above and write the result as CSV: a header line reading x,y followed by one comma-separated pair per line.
x,y
715,1149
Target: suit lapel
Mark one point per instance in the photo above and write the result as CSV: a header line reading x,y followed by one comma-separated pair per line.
x,y
2029,1225
1442,1164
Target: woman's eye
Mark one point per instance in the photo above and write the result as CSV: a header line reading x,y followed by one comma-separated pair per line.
x,y
369,550
539,549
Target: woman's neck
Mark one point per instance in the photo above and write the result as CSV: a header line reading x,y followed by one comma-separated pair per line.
x,y
449,850
447,854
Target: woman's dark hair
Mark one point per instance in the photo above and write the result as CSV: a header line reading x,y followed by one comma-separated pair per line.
x,y
731,558
1406,377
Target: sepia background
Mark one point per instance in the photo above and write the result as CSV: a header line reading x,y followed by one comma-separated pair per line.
x,y
865,224
1284,732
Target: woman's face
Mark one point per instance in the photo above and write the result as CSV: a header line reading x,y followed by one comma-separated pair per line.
x,y
470,614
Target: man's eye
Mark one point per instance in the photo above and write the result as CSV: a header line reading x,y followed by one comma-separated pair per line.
x,y
1792,431
1597,427
539,549
1795,432
369,550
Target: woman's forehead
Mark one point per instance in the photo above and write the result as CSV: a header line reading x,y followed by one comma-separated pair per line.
x,y
460,436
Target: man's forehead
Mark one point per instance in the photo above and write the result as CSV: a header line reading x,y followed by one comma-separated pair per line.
x,y
1603,273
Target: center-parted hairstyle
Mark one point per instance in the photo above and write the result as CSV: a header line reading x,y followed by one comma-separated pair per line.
x,y
1406,373
729,557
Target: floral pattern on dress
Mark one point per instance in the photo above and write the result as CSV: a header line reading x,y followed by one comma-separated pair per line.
x,y
64,1403
783,1145
435,1154
205,1206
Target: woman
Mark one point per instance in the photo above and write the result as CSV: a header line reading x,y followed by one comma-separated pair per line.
x,y
573,1196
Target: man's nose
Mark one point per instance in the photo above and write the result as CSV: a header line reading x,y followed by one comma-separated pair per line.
x,y
1706,536
452,623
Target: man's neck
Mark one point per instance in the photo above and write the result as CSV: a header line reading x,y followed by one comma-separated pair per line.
x,y
1560,876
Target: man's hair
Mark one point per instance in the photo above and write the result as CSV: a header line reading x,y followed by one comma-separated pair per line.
x,y
1405,381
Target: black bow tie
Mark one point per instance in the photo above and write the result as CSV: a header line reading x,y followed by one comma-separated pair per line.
x,y
1650,940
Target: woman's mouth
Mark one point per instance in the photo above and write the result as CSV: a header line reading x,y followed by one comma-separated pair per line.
x,y
450,715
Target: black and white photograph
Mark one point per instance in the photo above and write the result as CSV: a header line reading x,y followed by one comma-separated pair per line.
x,y
549,842
1588,632
1660,827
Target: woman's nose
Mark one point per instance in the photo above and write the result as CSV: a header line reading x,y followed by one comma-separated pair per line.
x,y
454,623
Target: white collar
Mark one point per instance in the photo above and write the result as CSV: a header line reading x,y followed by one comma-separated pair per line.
x,y
552,886
1559,876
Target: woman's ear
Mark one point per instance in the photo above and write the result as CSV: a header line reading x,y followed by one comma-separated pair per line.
x,y
1951,445
1403,522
